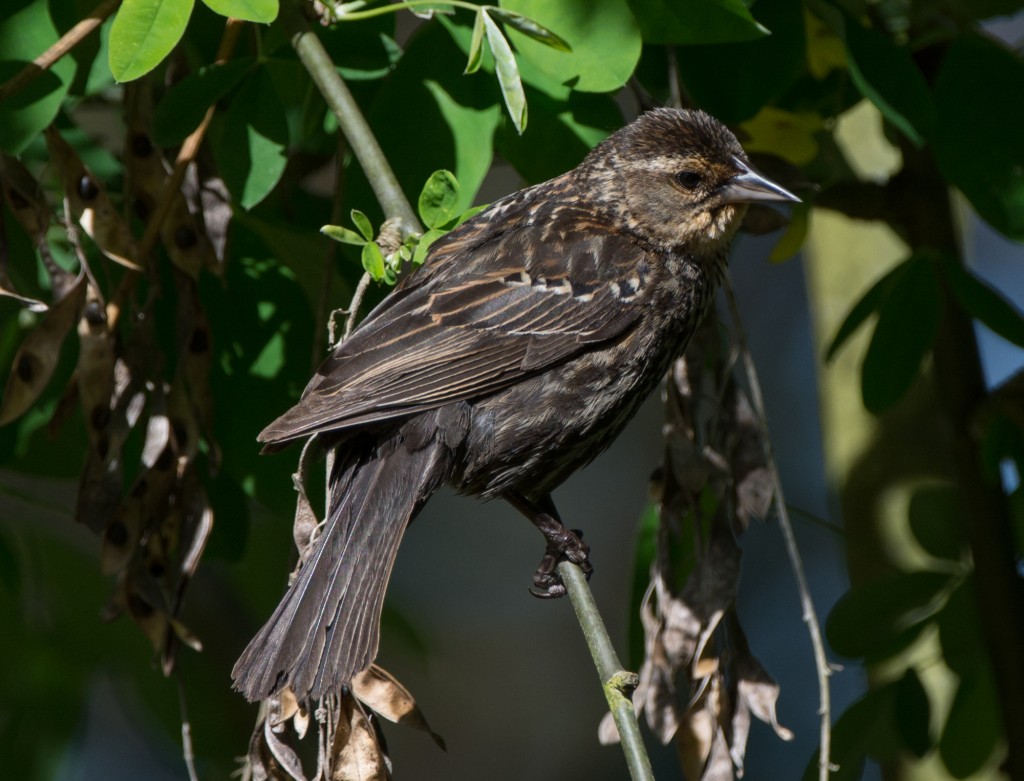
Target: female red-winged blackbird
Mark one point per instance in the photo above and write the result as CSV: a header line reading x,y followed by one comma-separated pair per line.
x,y
512,357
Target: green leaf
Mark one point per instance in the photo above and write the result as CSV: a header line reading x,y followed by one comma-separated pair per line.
x,y
973,729
868,304
603,35
362,222
262,11
143,34
867,727
960,632
476,45
979,129
529,28
936,519
885,73
423,245
696,21
985,304
913,714
25,33
734,80
508,73
344,235
869,618
907,323
184,105
373,260
438,199
252,140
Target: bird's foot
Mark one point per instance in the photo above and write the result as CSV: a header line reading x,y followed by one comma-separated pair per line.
x,y
563,545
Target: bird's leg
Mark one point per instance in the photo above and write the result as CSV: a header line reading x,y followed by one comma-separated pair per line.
x,y
562,544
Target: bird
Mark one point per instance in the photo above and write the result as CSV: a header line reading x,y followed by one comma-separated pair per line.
x,y
509,359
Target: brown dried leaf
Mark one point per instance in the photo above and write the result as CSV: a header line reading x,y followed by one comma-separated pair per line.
x,y
381,692
90,204
214,213
95,370
37,357
283,761
356,754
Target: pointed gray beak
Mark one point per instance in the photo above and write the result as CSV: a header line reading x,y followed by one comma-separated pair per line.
x,y
748,186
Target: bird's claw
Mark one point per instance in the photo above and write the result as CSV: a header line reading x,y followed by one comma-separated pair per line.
x,y
565,545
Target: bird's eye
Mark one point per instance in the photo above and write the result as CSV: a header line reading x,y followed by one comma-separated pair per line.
x,y
689,179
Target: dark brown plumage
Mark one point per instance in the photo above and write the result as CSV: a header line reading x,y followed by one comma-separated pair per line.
x,y
512,357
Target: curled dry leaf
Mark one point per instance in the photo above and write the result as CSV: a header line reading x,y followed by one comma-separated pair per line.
x,y
381,692
356,753
699,683
90,204
95,370
37,357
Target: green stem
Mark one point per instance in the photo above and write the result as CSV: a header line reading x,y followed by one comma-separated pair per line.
x,y
351,121
355,16
618,684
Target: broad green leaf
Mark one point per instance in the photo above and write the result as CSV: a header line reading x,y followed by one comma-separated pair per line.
x,y
604,37
344,235
790,135
973,727
913,714
979,129
796,232
252,140
867,728
868,304
936,519
423,245
184,105
960,631
508,73
529,28
645,548
696,21
373,260
885,74
870,618
438,199
476,46
262,11
23,35
985,304
907,323
734,80
143,34
362,222
564,126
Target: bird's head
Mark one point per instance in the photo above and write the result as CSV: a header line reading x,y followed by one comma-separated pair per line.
x,y
677,178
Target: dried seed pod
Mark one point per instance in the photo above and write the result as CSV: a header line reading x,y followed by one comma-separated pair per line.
x,y
90,204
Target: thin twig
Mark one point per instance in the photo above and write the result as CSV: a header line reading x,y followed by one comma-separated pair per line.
x,y
66,43
810,617
351,121
186,732
357,300
618,683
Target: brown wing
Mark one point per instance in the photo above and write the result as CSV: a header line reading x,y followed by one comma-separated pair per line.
x,y
484,315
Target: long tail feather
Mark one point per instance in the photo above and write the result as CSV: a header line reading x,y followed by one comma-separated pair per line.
x,y
326,628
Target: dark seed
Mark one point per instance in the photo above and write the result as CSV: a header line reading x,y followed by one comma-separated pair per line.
x,y
117,534
100,417
26,368
200,341
87,189
141,145
185,237
95,314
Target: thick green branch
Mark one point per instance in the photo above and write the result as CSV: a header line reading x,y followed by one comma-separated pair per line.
x,y
351,121
618,684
